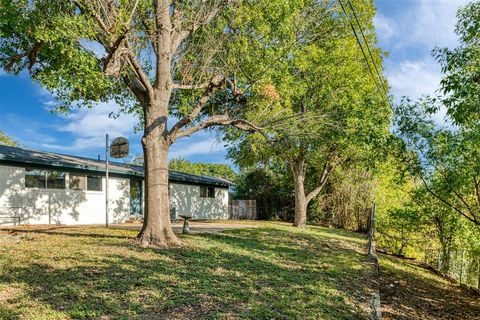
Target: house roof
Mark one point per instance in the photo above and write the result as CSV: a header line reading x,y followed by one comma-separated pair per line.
x,y
21,156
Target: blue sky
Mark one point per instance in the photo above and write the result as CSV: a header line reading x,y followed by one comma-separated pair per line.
x,y
407,29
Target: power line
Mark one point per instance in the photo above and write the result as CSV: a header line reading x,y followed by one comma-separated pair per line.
x,y
363,53
380,76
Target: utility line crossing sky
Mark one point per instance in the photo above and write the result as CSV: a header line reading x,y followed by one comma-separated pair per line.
x,y
407,29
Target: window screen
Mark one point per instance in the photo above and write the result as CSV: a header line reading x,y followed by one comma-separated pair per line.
x,y
211,192
55,180
94,183
35,178
207,192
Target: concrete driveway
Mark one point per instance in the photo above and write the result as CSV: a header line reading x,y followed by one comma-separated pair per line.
x,y
195,226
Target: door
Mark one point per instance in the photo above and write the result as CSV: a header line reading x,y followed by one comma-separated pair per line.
x,y
136,197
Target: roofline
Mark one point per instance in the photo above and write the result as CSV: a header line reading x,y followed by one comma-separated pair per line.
x,y
101,171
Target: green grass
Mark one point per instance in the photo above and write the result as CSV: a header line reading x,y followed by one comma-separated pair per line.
x,y
270,272
408,290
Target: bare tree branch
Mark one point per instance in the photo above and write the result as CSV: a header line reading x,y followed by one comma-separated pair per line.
x,y
179,86
214,83
179,33
219,120
433,193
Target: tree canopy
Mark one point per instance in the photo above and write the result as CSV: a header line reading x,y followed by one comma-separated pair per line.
x,y
326,80
218,170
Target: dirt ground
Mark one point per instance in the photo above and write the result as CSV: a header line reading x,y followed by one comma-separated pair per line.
x,y
410,291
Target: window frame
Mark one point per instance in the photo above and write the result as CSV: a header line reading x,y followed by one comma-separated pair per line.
x,y
46,174
86,186
99,177
207,192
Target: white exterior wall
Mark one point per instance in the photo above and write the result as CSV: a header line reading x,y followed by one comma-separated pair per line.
x,y
187,201
65,206
61,206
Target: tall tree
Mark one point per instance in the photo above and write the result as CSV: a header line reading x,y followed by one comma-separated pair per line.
x,y
161,59
327,81
445,159
448,154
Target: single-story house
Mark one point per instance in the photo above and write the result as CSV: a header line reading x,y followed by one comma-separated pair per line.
x,y
50,188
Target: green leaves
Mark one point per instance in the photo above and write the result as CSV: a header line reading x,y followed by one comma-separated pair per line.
x,y
210,169
324,97
461,66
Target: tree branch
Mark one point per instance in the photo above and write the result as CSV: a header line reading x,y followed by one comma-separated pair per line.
x,y
214,83
119,43
323,180
179,34
190,86
477,191
433,193
218,120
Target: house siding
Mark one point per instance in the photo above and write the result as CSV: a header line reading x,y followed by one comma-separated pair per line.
x,y
187,201
61,206
74,207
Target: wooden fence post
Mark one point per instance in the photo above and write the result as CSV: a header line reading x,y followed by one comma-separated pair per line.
x,y
371,231
462,266
478,273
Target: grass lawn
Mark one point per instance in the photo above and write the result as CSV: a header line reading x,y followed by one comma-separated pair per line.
x,y
270,272
410,291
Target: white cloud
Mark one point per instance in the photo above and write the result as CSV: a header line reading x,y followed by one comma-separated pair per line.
x,y
89,126
427,23
384,26
187,148
414,78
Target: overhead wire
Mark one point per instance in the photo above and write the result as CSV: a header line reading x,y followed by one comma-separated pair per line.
x,y
379,74
381,86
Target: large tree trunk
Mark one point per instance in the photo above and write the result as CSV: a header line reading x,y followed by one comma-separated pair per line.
x,y
298,170
157,229
302,199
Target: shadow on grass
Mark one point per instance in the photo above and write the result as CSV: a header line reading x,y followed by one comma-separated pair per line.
x,y
261,273
64,231
410,291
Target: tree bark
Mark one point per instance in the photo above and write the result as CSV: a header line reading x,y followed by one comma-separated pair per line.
x,y
157,229
298,170
302,199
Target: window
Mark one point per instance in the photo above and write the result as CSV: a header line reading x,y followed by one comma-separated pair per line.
x,y
207,192
85,182
78,182
35,178
55,180
94,183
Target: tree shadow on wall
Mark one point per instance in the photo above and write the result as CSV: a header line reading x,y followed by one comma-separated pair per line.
x,y
38,205
187,201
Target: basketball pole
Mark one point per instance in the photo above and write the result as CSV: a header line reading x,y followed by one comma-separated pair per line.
x,y
106,180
